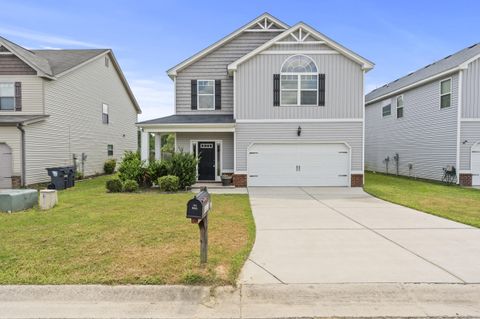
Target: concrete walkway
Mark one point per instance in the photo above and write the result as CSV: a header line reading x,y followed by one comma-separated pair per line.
x,y
248,301
343,235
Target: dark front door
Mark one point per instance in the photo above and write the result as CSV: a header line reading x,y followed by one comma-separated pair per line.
x,y
206,166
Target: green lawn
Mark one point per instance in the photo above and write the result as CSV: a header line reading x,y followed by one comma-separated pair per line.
x,y
452,202
143,238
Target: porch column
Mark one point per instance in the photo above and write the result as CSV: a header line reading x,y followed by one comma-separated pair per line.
x,y
158,146
144,147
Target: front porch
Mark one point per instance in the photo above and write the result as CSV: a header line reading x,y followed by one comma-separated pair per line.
x,y
209,137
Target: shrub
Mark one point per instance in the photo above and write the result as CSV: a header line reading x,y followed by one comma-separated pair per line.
x,y
78,175
184,166
132,168
157,169
109,166
130,186
168,183
114,185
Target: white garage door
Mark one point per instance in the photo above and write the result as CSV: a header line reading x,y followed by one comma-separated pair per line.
x,y
298,165
476,164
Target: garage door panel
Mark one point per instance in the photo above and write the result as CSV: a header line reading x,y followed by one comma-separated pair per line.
x,y
475,165
298,165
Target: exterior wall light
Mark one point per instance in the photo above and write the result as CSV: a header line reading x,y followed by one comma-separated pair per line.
x,y
299,131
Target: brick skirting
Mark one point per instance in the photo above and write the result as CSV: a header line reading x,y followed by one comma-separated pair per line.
x,y
357,180
465,179
240,180
16,182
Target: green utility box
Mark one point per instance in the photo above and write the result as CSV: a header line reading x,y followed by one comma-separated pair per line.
x,y
12,200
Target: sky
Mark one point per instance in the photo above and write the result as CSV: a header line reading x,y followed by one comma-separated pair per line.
x,y
149,37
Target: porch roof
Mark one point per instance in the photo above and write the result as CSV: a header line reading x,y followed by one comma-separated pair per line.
x,y
191,119
8,120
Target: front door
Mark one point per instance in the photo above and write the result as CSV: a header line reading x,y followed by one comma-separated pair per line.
x,y
5,166
206,165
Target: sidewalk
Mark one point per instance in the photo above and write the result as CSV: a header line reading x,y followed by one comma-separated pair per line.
x,y
247,301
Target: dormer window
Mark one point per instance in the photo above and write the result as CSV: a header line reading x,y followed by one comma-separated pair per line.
x,y
298,82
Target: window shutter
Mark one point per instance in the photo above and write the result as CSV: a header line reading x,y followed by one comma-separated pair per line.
x,y
194,94
218,94
276,90
321,90
18,96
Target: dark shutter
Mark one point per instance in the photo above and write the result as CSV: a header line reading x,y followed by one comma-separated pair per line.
x,y
321,90
194,94
218,94
18,96
276,90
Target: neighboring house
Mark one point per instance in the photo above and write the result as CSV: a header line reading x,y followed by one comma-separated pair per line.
x,y
430,118
57,104
271,104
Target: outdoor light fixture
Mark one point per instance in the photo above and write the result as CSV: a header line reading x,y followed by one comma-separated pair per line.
x,y
465,142
299,131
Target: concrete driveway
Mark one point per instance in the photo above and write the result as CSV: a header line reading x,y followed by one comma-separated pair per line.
x,y
343,235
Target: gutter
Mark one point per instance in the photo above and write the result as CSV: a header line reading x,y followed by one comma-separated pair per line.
x,y
22,130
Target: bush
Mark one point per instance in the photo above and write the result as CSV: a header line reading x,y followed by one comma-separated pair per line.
x,y
157,169
114,185
133,168
78,175
130,186
109,166
184,166
168,183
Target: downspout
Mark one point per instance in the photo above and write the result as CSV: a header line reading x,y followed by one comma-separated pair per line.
x,y
459,123
20,127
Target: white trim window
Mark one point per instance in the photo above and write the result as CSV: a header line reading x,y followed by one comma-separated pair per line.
x,y
399,106
445,93
206,94
7,96
105,117
298,82
110,150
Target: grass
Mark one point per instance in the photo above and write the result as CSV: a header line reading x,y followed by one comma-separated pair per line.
x,y
142,238
448,201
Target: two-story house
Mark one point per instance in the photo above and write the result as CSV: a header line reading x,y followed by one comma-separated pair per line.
x,y
272,104
61,107
428,120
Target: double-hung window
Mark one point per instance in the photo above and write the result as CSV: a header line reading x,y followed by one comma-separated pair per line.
x,y
206,94
7,96
110,149
387,110
399,106
445,93
105,119
298,82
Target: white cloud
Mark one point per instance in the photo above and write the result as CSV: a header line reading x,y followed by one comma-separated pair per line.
x,y
48,38
154,96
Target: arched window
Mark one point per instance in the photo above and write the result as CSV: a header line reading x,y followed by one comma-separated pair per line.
x,y
298,81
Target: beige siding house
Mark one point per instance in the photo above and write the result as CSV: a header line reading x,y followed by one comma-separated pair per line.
x,y
56,105
272,105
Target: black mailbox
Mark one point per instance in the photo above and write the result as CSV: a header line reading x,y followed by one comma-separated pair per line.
x,y
198,206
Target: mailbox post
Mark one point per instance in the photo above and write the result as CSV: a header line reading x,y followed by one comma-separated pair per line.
x,y
197,210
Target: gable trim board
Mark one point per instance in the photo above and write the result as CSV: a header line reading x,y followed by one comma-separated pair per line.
x,y
366,64
174,70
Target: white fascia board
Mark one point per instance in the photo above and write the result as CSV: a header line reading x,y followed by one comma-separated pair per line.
x,y
366,64
465,64
472,119
414,85
168,128
173,71
359,120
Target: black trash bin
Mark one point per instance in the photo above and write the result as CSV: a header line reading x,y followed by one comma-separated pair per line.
x,y
70,176
58,176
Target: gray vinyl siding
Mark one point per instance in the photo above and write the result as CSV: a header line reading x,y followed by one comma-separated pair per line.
x,y
11,136
11,64
183,144
348,132
74,103
214,67
426,136
298,47
470,132
343,96
32,93
471,91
